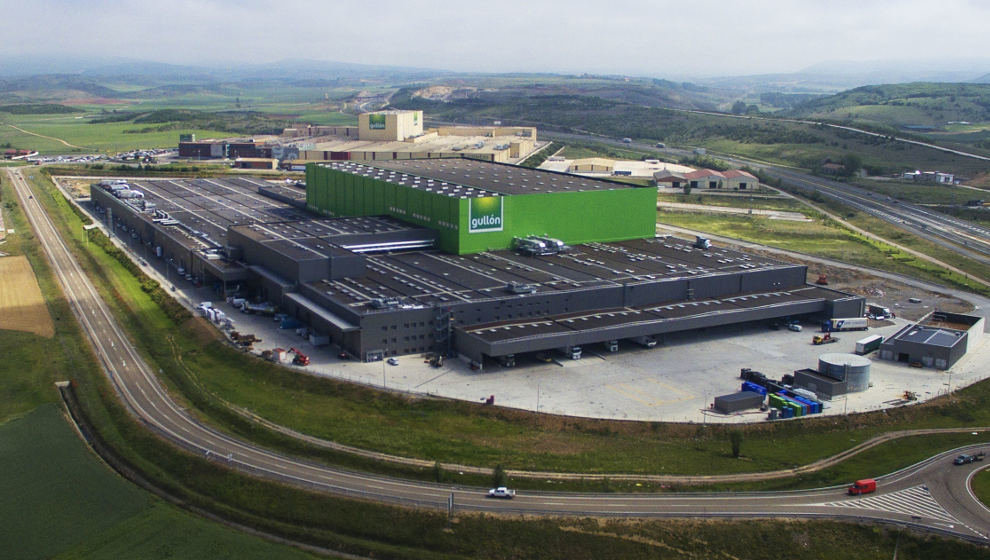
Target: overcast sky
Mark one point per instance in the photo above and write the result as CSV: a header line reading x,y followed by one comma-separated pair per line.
x,y
688,37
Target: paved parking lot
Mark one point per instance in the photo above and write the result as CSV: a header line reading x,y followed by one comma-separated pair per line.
x,y
675,381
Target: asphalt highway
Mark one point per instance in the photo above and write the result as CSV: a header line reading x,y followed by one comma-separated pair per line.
x,y
932,495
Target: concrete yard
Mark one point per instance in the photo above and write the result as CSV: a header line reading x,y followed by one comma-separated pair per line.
x,y
674,382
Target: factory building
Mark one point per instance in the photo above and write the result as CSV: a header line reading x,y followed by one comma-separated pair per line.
x,y
458,257
390,126
476,206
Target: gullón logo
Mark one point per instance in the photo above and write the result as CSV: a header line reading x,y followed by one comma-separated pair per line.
x,y
376,121
484,214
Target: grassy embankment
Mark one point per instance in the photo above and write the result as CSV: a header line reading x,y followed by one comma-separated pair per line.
x,y
320,520
981,486
466,433
922,193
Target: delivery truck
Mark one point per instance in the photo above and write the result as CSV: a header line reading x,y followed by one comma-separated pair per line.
x,y
845,324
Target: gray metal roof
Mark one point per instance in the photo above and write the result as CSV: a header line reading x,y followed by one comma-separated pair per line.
x,y
932,336
464,177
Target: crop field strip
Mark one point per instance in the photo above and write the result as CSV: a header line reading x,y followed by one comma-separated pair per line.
x,y
22,308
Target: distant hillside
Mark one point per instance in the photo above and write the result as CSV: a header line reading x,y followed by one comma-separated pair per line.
x,y
495,89
914,105
53,87
38,109
238,122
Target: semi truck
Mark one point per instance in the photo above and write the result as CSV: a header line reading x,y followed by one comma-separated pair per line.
x,y
868,344
846,324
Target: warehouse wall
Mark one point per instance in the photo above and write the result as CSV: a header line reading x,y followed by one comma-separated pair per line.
x,y
336,193
573,217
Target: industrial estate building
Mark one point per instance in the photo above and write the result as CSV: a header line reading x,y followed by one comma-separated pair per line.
x,y
456,256
603,167
382,135
938,341
734,179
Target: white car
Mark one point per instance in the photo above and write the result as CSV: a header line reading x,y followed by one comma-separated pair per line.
x,y
501,492
393,362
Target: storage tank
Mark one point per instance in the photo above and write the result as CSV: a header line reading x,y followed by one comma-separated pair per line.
x,y
853,369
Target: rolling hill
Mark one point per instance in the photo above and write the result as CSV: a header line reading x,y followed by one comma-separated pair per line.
x,y
919,106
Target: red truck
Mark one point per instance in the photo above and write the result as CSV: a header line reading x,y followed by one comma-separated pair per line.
x,y
865,486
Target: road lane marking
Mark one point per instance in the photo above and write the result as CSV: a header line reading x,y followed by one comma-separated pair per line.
x,y
916,500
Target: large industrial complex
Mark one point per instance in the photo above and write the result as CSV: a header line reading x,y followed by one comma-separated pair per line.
x,y
456,256
379,136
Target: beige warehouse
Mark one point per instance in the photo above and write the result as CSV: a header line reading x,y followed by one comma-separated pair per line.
x,y
390,126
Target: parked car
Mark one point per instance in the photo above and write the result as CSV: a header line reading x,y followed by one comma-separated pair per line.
x,y
794,327
393,362
501,492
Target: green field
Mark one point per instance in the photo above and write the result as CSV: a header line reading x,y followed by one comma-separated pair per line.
x,y
91,138
43,131
60,501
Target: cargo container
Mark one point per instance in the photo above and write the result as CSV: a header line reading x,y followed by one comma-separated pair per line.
x,y
735,402
868,344
845,324
750,386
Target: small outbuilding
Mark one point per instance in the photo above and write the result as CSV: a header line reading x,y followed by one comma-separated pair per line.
x,y
938,341
255,163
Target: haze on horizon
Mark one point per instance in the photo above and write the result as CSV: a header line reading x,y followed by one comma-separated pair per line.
x,y
638,37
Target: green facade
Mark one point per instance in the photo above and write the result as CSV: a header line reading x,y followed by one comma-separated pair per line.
x,y
573,217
